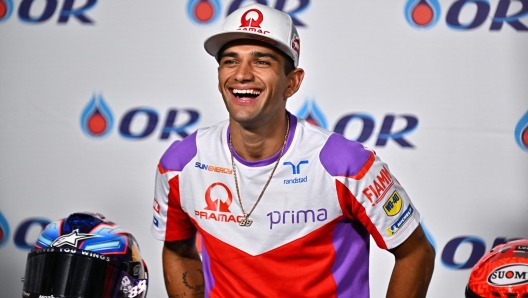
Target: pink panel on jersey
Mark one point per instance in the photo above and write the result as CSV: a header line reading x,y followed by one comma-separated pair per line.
x,y
301,266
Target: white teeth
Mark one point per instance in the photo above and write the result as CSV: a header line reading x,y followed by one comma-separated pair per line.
x,y
246,91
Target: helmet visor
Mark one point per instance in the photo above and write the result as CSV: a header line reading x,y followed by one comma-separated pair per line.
x,y
79,274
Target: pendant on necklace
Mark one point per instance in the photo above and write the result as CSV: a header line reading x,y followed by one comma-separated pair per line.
x,y
246,221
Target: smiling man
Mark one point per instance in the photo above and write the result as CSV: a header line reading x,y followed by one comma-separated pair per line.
x,y
286,209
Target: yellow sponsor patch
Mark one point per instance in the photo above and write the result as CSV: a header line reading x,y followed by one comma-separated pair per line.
x,y
393,204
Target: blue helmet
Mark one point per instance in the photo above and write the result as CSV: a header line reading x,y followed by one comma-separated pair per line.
x,y
85,256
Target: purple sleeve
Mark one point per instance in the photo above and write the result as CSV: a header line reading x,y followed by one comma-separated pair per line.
x,y
179,154
343,157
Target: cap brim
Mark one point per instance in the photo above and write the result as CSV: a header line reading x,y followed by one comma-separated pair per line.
x,y
214,43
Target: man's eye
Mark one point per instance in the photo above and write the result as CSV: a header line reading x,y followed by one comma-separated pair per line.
x,y
263,62
228,62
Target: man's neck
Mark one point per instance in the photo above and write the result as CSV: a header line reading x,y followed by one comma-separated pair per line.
x,y
258,143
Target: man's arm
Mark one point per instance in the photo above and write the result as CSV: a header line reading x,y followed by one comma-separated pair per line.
x,y
413,268
182,269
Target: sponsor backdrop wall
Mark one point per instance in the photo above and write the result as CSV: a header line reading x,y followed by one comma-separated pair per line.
x,y
92,92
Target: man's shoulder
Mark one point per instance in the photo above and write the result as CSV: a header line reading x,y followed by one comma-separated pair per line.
x,y
343,157
181,152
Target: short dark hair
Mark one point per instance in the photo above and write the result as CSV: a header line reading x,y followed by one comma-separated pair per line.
x,y
289,66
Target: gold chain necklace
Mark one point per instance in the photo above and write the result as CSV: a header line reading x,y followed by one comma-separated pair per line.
x,y
246,222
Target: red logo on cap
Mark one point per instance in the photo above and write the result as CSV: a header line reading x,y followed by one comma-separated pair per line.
x,y
251,22
296,45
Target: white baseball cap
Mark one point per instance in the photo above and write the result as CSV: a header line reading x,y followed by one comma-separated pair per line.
x,y
258,22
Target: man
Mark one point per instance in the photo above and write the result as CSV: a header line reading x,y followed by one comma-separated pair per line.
x,y
286,209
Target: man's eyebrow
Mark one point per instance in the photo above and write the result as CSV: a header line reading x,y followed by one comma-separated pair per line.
x,y
263,54
228,54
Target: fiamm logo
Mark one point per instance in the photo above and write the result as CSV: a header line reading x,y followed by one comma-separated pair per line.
x,y
465,15
34,12
360,126
206,12
137,123
521,132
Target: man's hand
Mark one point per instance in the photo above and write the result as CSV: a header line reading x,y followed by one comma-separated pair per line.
x,y
413,268
182,269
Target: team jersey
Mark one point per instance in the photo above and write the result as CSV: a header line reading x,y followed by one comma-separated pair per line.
x,y
310,231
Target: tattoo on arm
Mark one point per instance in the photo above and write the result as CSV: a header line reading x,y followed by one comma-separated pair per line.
x,y
199,288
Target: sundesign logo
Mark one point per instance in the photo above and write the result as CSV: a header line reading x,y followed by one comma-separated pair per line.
x,y
216,209
399,223
137,123
509,275
378,189
96,118
422,14
393,204
213,168
28,13
297,217
203,11
521,132
425,14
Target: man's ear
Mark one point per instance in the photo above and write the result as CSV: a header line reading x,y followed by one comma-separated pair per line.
x,y
295,79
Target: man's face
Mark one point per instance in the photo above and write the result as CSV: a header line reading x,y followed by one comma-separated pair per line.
x,y
253,84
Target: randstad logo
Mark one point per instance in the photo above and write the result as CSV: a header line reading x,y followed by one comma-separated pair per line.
x,y
205,12
360,126
521,132
42,12
138,123
296,170
467,14
218,209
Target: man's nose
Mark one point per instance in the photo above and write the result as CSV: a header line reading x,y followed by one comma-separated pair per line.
x,y
244,72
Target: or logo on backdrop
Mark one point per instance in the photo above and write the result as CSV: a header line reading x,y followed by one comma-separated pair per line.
x,y
137,123
4,230
206,12
21,232
463,15
477,247
422,13
96,118
395,127
521,132
44,11
6,8
203,11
